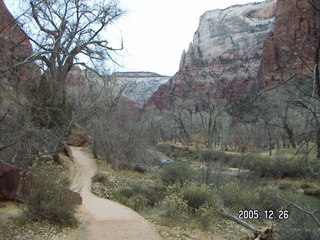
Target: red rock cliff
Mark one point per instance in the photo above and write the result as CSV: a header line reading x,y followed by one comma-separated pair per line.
x,y
290,48
236,51
15,47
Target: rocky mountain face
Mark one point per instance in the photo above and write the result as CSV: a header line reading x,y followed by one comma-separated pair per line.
x,y
291,46
11,35
139,86
224,59
15,47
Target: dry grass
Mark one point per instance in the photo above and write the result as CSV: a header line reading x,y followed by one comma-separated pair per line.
x,y
13,225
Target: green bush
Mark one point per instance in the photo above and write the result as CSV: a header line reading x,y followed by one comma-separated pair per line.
x,y
197,195
50,198
212,156
174,207
238,195
100,177
138,196
191,202
206,215
137,202
279,168
270,167
176,172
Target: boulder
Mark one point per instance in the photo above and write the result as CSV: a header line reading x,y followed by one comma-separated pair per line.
x,y
77,139
64,148
74,196
141,168
14,182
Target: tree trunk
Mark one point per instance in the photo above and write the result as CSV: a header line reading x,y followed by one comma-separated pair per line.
x,y
270,142
318,142
290,135
255,231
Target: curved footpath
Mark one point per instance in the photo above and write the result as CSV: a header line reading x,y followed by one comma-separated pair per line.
x,y
104,219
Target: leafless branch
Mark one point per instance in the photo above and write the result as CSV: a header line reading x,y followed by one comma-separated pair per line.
x,y
311,213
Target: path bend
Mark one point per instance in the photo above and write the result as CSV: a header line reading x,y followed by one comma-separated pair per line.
x,y
105,219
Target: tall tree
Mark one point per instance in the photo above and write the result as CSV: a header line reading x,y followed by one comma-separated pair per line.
x,y
63,30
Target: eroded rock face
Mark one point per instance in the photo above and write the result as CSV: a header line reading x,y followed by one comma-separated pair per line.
x,y
11,35
14,182
291,46
139,86
225,56
15,47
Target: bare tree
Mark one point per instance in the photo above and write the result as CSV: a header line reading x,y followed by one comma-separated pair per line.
x,y
64,33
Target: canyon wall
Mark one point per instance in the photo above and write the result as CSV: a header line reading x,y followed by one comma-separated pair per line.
x,y
291,46
15,47
224,59
139,86
242,49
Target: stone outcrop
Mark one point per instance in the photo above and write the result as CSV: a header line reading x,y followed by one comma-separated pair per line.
x,y
14,182
224,59
77,139
241,49
15,47
12,36
290,47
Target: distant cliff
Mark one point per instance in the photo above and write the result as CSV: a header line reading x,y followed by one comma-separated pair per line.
x,y
139,86
224,57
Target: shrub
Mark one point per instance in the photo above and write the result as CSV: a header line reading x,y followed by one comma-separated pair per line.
x,y
270,167
49,197
206,215
212,156
137,202
197,195
299,227
138,196
247,195
100,177
177,172
276,167
175,207
191,203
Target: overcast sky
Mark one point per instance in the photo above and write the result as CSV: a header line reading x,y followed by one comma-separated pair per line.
x,y
155,32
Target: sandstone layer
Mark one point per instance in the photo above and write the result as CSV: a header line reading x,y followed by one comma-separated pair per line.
x,y
139,86
291,46
15,48
224,59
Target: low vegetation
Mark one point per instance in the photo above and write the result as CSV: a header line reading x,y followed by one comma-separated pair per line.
x,y
176,195
50,198
48,212
224,155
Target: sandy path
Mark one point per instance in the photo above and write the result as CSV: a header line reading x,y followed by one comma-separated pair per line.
x,y
104,219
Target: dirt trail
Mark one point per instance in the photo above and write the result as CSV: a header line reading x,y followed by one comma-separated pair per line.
x,y
104,219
